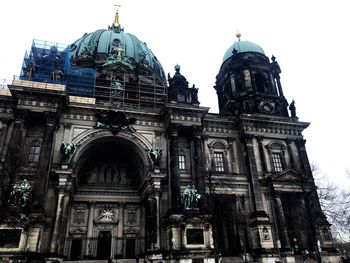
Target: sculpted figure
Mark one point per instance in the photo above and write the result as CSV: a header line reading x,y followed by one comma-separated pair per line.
x,y
191,197
156,155
20,193
67,149
292,109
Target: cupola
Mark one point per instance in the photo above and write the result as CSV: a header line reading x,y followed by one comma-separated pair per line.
x,y
248,82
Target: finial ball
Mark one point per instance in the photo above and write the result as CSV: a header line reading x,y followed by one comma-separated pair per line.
x,y
238,34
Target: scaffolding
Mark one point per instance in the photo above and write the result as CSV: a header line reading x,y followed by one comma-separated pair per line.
x,y
49,62
122,92
45,62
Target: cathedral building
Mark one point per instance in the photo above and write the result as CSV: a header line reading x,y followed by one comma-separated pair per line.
x,y
104,157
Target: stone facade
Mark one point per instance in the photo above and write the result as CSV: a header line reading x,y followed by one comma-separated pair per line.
x,y
98,193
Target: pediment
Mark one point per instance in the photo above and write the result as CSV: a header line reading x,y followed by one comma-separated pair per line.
x,y
131,231
289,175
106,217
78,231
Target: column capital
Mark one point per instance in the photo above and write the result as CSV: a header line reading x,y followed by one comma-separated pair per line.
x,y
51,118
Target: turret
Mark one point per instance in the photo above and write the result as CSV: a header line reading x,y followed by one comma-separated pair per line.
x,y
249,83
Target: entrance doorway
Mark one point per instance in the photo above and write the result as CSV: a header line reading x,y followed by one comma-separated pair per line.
x,y
130,248
75,251
104,245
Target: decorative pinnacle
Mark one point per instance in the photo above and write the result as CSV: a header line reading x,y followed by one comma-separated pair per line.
x,y
116,18
238,35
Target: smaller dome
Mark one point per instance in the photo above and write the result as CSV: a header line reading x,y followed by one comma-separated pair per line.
x,y
242,47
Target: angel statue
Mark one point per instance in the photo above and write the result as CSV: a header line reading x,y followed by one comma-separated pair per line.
x,y
67,149
156,155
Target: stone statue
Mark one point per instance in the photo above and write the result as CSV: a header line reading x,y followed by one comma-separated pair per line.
x,y
20,194
67,149
194,94
191,197
115,121
30,71
117,88
292,109
57,75
156,155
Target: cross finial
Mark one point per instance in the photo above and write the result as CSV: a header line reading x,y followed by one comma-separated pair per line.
x,y
116,23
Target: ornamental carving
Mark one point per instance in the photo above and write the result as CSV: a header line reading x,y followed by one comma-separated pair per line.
x,y
20,194
115,121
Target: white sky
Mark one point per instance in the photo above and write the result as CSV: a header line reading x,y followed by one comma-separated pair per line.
x,y
310,40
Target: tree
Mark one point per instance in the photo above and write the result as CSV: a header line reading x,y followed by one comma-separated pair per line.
x,y
335,203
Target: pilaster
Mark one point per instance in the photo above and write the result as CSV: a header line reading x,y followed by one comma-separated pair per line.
x,y
199,161
174,169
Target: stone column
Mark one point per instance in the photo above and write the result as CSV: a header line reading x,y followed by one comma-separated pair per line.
x,y
260,225
157,243
253,174
174,169
279,85
63,226
14,151
262,155
90,227
62,207
199,162
120,241
293,164
3,141
45,157
56,229
304,160
282,226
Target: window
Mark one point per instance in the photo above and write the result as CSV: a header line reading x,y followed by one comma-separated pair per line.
x,y
182,164
10,238
131,216
277,162
195,236
34,153
219,161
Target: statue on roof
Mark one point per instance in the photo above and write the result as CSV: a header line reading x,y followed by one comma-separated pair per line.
x,y
293,110
194,95
30,71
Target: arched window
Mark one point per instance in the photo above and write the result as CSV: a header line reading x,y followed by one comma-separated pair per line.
x,y
218,152
259,83
276,152
34,152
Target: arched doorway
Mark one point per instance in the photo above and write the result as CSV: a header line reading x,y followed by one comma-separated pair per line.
x,y
107,199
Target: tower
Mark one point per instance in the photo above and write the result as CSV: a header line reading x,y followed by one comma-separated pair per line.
x,y
249,83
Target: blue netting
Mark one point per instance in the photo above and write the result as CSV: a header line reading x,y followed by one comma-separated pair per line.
x,y
45,62
80,81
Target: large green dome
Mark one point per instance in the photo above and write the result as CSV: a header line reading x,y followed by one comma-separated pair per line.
x,y
241,47
99,48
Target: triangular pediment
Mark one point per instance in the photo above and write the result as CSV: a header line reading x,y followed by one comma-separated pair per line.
x,y
131,231
289,175
78,231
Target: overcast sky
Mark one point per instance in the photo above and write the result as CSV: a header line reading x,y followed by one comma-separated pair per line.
x,y
310,40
